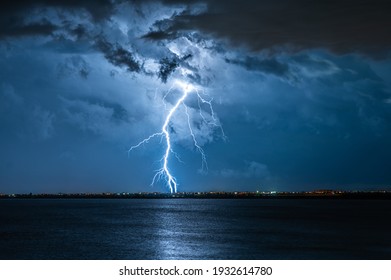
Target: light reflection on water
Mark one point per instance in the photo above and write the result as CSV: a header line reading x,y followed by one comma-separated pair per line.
x,y
178,233
194,229
167,233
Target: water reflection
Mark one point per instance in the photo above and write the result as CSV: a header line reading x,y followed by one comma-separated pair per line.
x,y
177,231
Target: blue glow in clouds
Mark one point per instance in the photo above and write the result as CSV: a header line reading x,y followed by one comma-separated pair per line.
x,y
164,172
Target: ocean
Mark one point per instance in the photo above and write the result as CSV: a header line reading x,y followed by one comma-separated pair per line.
x,y
130,229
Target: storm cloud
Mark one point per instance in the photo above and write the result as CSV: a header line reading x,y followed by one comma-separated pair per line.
x,y
302,91
340,26
119,56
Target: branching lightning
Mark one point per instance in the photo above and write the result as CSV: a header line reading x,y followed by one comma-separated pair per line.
x,y
164,172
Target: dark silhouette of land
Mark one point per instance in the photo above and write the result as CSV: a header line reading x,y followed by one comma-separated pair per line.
x,y
321,194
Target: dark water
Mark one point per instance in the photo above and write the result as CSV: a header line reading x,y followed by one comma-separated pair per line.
x,y
195,229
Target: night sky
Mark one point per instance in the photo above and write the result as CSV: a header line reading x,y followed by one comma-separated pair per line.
x,y
300,88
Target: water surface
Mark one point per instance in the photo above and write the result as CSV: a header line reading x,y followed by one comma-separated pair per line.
x,y
195,229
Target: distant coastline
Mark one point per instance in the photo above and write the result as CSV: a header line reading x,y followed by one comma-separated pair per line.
x,y
317,194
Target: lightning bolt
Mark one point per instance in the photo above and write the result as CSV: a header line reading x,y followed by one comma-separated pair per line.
x,y
164,171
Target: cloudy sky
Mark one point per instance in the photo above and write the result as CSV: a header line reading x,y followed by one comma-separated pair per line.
x,y
300,91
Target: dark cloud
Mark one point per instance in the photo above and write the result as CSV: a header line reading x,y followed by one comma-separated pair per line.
x,y
13,15
79,31
341,26
118,56
13,28
167,67
97,8
159,35
267,66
